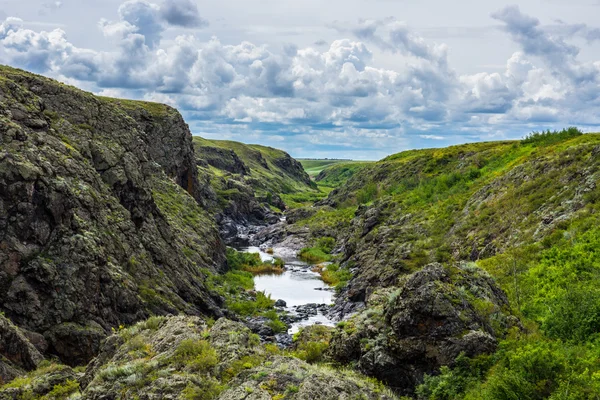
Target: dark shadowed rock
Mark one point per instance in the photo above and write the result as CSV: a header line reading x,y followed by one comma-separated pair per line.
x,y
223,159
17,354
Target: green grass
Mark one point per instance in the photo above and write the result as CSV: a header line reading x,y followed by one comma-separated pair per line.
x,y
156,109
337,174
314,167
336,276
304,199
313,255
251,262
266,176
508,205
196,355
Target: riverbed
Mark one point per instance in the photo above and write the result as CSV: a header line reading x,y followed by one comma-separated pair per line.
x,y
298,286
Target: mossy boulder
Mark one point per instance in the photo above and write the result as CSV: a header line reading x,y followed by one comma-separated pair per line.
x,y
181,357
433,316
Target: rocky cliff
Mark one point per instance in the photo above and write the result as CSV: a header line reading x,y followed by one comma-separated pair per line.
x,y
250,182
101,215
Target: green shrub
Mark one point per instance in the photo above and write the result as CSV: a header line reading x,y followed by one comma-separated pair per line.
x,y
326,244
63,391
238,260
548,137
367,194
334,275
197,355
450,384
277,326
313,255
263,302
311,351
275,323
207,389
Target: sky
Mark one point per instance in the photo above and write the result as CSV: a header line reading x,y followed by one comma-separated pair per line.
x,y
357,79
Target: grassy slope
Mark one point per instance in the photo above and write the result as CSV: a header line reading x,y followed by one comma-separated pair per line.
x,y
337,174
272,178
528,212
314,167
481,194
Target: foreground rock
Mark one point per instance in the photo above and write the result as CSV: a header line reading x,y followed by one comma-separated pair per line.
x,y
182,357
17,354
102,220
435,314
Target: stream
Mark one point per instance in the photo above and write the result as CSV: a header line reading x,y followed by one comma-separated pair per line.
x,y
306,296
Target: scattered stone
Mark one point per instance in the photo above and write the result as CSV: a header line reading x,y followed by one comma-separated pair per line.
x,y
280,303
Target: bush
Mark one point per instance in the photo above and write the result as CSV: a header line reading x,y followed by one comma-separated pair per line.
x,y
367,193
207,389
313,255
336,276
311,351
275,323
252,307
565,287
326,244
195,354
451,383
277,326
238,260
574,315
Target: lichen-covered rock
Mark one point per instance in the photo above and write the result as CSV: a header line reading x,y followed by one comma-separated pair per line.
x,y
436,314
50,381
182,357
223,159
101,216
148,360
289,378
17,354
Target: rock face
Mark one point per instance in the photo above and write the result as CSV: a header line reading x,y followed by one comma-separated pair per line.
x,y
223,159
293,168
436,314
169,143
100,220
17,354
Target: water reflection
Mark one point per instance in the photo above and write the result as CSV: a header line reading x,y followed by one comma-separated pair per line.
x,y
297,286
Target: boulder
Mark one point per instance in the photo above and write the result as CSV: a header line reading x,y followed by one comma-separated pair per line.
x,y
433,316
17,354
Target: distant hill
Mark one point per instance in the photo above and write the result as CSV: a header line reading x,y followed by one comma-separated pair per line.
x,y
313,167
266,169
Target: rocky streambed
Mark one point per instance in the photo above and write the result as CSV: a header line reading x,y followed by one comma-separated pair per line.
x,y
299,291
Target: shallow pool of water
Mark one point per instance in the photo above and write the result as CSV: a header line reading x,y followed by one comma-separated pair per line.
x,y
297,286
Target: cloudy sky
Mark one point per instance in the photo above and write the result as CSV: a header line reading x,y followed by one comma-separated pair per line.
x,y
338,78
